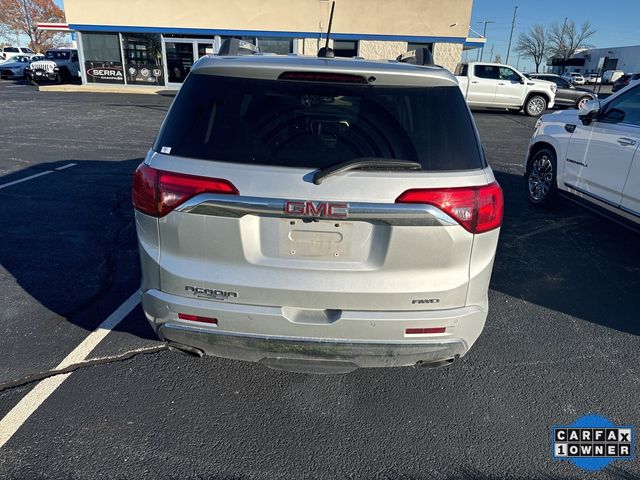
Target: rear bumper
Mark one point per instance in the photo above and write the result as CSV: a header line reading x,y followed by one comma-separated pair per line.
x,y
338,342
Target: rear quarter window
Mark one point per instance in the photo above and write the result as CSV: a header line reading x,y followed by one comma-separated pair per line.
x,y
462,69
314,124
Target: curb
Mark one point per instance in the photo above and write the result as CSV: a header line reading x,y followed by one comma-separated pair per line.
x,y
104,89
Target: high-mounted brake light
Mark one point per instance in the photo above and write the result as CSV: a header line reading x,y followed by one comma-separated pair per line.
x,y
477,209
157,192
323,77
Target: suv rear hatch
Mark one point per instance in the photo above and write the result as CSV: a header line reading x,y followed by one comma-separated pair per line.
x,y
241,219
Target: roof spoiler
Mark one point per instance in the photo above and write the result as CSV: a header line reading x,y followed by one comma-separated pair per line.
x,y
235,47
419,56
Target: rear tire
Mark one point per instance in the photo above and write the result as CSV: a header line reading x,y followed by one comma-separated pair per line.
x,y
541,182
535,105
581,101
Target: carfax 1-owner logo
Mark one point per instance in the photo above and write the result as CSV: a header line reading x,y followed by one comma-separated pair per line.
x,y
592,442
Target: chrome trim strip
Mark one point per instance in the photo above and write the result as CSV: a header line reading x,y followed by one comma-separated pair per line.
x,y
603,200
407,214
592,195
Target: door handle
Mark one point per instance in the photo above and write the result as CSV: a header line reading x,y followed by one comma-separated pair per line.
x,y
500,83
624,141
474,81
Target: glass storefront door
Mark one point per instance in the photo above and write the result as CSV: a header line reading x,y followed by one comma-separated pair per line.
x,y
180,55
205,49
179,60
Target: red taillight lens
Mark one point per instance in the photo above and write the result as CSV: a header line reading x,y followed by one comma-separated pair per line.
x,y
477,209
143,194
156,192
197,318
424,331
176,188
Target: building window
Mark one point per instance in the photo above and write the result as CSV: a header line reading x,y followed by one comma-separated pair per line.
x,y
345,48
143,57
246,39
277,45
102,59
417,45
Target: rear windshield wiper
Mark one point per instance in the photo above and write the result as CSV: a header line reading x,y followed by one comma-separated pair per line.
x,y
361,163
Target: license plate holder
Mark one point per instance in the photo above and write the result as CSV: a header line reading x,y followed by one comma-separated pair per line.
x,y
315,239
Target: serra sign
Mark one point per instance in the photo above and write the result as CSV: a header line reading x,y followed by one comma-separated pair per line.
x,y
104,73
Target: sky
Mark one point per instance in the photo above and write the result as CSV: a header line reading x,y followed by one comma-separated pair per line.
x,y
617,25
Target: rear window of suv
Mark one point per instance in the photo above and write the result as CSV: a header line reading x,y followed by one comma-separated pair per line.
x,y
53,55
317,124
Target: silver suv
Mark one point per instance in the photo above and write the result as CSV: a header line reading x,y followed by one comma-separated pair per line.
x,y
317,214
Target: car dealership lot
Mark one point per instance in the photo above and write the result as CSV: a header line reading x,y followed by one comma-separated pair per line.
x,y
561,338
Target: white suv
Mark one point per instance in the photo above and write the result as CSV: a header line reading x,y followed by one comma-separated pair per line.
x,y
7,53
591,154
575,77
317,214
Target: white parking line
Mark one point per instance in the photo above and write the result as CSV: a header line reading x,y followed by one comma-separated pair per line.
x,y
64,167
32,400
36,175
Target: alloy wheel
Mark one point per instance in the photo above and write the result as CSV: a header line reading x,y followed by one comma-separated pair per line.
x,y
536,106
582,103
540,177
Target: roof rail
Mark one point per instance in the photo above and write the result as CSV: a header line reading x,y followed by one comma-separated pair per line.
x,y
419,56
235,46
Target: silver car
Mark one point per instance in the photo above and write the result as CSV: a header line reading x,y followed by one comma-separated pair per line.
x,y
317,214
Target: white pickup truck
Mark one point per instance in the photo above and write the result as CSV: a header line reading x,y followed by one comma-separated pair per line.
x,y
494,85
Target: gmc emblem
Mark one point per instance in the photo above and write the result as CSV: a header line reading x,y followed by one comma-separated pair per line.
x,y
307,208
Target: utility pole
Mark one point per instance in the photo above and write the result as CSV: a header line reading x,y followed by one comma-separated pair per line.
x,y
484,35
513,24
491,54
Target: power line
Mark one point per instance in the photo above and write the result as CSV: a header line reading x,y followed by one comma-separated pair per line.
x,y
513,24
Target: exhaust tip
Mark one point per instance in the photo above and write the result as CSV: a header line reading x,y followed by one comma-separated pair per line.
x,y
185,349
437,364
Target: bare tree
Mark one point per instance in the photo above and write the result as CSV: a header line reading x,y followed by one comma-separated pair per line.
x,y
533,44
497,59
22,16
566,39
5,33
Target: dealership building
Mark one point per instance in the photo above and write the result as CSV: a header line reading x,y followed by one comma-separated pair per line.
x,y
154,43
626,59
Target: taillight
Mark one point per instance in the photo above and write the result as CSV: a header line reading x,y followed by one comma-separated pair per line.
x,y
424,331
198,318
157,192
477,209
143,194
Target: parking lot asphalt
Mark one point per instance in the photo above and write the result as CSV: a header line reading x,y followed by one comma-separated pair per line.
x,y
561,340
